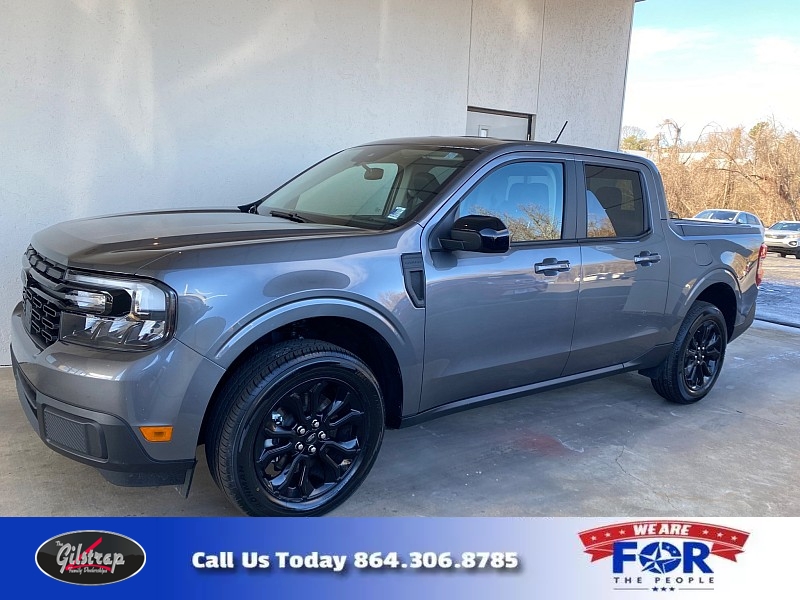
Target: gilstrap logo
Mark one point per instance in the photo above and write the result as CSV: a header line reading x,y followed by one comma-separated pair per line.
x,y
90,557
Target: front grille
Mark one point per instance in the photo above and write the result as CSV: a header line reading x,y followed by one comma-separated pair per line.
x,y
41,307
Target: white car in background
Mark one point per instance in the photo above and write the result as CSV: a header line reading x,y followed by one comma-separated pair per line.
x,y
784,238
726,215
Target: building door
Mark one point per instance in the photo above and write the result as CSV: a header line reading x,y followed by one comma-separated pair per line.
x,y
503,125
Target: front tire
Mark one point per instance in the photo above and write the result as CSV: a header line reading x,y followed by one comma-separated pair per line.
x,y
695,361
296,430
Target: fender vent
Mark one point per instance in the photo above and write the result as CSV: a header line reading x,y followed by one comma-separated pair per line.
x,y
414,278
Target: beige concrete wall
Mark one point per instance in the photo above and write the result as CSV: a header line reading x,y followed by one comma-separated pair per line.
x,y
505,50
584,64
115,105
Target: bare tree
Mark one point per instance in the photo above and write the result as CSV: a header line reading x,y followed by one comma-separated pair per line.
x,y
756,170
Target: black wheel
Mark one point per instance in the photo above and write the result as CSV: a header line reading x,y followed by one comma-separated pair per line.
x,y
695,361
296,430
783,255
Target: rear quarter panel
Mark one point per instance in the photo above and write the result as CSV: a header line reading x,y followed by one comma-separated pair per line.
x,y
704,254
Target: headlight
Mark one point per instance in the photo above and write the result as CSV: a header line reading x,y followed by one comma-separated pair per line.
x,y
116,314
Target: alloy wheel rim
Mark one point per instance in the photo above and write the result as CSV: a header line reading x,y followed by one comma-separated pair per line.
x,y
310,441
702,357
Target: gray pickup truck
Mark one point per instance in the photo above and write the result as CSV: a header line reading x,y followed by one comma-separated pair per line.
x,y
388,284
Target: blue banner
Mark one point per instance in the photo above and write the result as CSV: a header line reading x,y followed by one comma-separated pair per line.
x,y
399,558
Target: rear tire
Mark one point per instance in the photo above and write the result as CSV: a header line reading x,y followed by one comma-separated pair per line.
x,y
694,363
296,430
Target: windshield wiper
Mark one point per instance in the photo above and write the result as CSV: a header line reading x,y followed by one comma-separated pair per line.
x,y
291,216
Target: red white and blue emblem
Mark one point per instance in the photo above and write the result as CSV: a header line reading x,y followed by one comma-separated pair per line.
x,y
663,556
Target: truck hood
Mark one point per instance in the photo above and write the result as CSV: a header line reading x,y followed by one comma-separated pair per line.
x,y
127,242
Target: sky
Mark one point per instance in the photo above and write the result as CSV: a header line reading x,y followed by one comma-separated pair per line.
x,y
715,63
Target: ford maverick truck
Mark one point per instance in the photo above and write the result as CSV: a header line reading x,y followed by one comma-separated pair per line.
x,y
387,284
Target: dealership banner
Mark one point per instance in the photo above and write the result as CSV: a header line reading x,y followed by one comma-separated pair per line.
x,y
401,558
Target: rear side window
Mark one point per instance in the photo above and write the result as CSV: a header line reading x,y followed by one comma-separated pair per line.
x,y
614,203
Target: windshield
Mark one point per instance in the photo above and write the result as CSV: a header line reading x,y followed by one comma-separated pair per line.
x,y
719,215
784,226
373,187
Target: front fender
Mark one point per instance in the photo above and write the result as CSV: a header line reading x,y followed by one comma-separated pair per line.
x,y
407,350
226,350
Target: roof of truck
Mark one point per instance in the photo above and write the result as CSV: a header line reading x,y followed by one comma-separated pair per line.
x,y
487,144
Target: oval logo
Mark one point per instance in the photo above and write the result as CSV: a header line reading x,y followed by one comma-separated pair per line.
x,y
90,557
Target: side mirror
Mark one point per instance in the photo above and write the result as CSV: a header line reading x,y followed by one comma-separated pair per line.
x,y
478,233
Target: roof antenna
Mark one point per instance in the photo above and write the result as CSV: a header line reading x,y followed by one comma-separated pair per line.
x,y
558,137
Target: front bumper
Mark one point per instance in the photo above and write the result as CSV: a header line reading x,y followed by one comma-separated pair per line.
x,y
88,405
103,441
787,246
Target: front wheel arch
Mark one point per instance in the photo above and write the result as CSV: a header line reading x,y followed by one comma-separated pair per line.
x,y
356,337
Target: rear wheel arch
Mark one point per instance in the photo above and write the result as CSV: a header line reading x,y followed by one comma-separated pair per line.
x,y
723,297
693,364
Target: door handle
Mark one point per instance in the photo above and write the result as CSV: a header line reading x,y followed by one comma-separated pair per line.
x,y
646,259
551,266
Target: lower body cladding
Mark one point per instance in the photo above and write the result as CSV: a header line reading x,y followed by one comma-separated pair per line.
x,y
111,395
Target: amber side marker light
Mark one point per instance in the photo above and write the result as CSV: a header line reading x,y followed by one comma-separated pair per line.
x,y
157,434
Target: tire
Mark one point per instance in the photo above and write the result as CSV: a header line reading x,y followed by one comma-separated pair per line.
x,y
296,430
694,363
783,255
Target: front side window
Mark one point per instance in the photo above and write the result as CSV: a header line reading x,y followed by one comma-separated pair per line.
x,y
614,203
372,187
527,196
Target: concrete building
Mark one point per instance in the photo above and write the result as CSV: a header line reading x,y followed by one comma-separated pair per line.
x,y
117,105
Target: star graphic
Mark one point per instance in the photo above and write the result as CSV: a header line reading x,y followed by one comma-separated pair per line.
x,y
594,538
608,534
734,538
705,531
622,532
659,557
719,535
672,589
663,589
655,589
